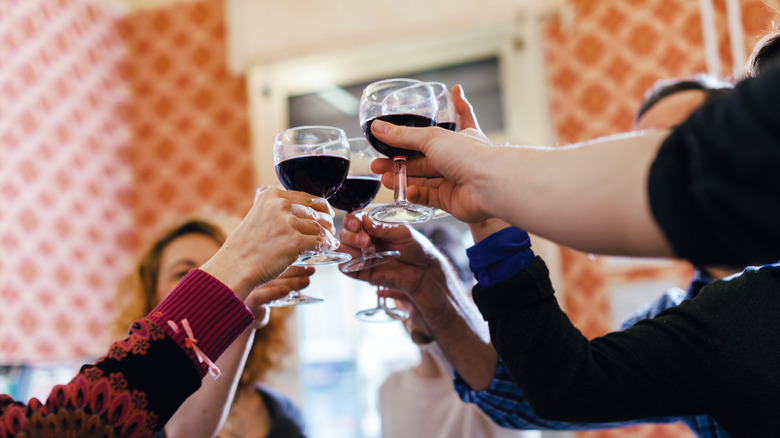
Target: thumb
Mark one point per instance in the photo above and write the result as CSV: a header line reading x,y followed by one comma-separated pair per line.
x,y
464,109
402,137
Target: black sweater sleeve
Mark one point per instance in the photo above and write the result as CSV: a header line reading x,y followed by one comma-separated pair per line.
x,y
714,183
715,354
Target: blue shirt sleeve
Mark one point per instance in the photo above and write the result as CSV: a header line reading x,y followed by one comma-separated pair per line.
x,y
500,256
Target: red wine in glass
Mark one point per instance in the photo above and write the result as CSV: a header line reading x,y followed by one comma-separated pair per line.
x,y
318,175
396,119
450,126
355,194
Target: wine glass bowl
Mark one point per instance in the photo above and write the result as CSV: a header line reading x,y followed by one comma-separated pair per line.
x,y
312,159
315,160
361,184
406,102
358,190
446,117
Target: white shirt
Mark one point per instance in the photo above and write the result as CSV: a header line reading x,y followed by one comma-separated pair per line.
x,y
416,407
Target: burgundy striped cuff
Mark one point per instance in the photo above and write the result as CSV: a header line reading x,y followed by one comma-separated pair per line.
x,y
216,315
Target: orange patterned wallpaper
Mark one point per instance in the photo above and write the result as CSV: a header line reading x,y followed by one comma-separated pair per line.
x,y
188,116
64,178
108,128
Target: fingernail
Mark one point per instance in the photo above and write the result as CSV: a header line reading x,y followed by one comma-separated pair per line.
x,y
354,224
379,126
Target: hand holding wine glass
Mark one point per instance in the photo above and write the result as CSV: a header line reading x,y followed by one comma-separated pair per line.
x,y
280,225
420,267
358,190
446,176
406,102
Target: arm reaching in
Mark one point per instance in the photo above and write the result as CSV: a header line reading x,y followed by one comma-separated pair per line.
x,y
591,196
430,283
137,386
204,413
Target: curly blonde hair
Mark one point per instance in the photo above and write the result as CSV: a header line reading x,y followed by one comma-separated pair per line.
x,y
136,295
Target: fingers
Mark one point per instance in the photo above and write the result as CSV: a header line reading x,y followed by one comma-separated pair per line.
x,y
419,171
352,233
264,295
298,271
395,294
416,139
463,109
325,220
315,236
262,316
291,283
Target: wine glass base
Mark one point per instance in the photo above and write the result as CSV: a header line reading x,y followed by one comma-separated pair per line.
x,y
380,314
322,258
401,213
379,258
294,301
439,213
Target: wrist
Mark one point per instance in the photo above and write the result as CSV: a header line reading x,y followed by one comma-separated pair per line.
x,y
484,229
484,181
228,273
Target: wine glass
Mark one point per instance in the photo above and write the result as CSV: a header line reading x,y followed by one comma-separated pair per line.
x,y
446,118
358,190
407,102
382,312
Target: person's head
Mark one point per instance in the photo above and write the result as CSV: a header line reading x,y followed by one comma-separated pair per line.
x,y
670,101
765,52
181,247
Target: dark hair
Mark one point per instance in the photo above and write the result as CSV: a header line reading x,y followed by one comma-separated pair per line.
x,y
664,88
765,52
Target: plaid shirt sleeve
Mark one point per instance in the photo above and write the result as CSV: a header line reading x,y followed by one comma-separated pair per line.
x,y
507,406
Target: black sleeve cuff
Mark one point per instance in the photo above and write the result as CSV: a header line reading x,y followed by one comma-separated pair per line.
x,y
529,286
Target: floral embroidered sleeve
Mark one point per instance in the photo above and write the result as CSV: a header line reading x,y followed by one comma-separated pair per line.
x,y
139,384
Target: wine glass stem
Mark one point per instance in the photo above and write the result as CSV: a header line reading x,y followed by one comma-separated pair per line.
x,y
370,250
399,183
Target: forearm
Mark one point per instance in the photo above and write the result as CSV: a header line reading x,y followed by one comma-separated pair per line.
x,y
457,326
204,412
592,197
565,376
